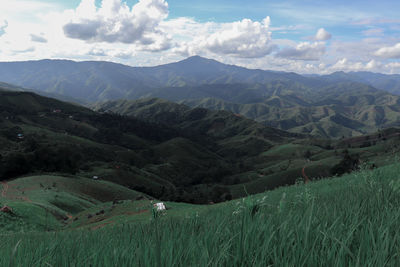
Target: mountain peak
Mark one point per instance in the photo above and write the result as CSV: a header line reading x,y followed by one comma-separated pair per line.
x,y
199,60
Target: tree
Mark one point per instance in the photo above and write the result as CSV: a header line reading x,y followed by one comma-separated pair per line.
x,y
347,164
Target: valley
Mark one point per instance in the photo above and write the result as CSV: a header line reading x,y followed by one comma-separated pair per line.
x,y
212,151
172,133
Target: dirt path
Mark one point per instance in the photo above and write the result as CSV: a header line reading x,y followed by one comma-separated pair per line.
x,y
303,172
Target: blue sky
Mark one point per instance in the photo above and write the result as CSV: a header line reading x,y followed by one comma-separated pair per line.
x,y
305,36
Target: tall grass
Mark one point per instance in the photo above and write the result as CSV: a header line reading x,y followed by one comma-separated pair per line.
x,y
348,221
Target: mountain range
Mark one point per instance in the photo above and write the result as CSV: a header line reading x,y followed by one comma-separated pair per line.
x,y
329,106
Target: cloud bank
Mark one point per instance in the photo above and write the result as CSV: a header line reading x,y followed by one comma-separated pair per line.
x,y
115,22
303,51
389,52
243,39
143,34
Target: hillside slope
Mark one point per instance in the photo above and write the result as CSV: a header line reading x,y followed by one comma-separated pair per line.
x,y
330,106
359,227
200,154
344,109
283,162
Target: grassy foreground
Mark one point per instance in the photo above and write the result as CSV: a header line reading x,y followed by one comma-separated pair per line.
x,y
347,221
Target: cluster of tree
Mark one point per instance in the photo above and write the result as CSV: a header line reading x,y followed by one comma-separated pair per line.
x,y
197,195
64,159
112,126
348,164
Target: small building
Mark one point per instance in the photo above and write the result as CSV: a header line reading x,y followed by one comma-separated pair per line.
x,y
159,206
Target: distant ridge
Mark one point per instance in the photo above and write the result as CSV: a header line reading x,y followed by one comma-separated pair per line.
x,y
98,80
335,105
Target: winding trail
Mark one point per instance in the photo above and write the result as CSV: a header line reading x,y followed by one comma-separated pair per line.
x,y
303,172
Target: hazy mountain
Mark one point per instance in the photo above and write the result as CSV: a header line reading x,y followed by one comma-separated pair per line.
x,y
389,83
343,109
94,81
336,105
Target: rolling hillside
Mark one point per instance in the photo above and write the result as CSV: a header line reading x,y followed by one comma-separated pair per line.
x,y
330,106
341,110
281,163
203,153
168,150
359,227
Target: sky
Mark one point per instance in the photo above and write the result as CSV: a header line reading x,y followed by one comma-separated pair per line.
x,y
303,36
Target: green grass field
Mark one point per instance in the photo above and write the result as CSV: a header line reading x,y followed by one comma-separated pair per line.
x,y
347,221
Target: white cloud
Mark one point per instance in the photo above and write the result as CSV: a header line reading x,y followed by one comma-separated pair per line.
x,y
3,26
98,52
122,54
346,65
143,35
303,51
389,51
393,65
322,35
242,39
38,38
115,22
372,65
26,10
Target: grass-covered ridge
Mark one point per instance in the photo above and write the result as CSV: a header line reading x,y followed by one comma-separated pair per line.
x,y
168,150
346,221
40,135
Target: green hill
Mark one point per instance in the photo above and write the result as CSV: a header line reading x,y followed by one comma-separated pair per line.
x,y
242,139
359,227
346,109
199,154
80,186
169,151
47,202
